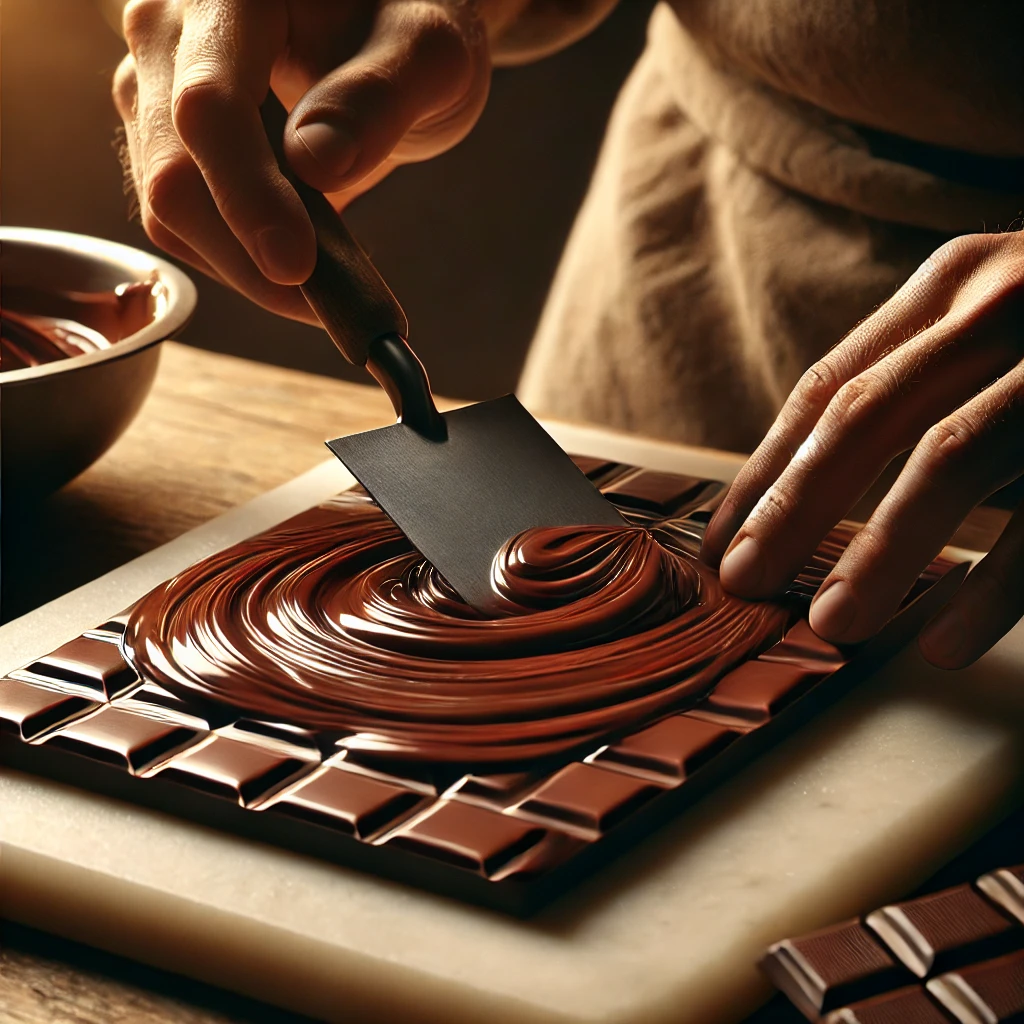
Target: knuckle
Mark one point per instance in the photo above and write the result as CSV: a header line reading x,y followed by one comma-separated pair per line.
x,y
441,43
199,102
857,405
948,445
141,20
817,386
124,88
169,185
961,252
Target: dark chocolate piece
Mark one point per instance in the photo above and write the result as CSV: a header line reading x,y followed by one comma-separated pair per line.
x,y
587,797
759,689
91,665
29,711
904,1006
832,968
801,646
467,836
1005,888
944,930
150,699
351,802
651,491
120,737
674,747
985,993
498,790
236,769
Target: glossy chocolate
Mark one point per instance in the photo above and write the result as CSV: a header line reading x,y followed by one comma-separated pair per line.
x,y
562,673
905,1006
75,322
94,666
1005,888
832,967
944,930
985,993
334,623
871,966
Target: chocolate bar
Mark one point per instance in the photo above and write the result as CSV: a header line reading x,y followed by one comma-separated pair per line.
x,y
318,686
895,965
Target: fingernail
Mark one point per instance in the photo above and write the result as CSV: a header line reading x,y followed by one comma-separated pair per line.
x,y
832,612
282,256
329,145
743,567
720,528
943,639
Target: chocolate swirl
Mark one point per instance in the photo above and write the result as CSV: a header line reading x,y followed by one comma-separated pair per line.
x,y
335,623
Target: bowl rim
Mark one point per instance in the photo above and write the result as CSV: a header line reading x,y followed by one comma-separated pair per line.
x,y
137,264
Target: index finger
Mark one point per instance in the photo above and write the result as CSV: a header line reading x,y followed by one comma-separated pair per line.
x,y
221,76
917,303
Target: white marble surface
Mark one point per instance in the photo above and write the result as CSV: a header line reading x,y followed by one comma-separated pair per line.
x,y
892,782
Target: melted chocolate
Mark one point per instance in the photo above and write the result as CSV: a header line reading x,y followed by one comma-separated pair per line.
x,y
76,322
335,623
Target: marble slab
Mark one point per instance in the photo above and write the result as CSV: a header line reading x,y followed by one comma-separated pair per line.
x,y
841,817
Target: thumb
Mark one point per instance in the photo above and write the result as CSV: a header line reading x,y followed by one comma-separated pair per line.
x,y
415,89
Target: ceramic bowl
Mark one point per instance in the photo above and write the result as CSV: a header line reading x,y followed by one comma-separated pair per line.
x,y
57,418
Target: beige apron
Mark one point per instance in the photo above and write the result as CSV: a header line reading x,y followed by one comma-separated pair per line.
x,y
731,235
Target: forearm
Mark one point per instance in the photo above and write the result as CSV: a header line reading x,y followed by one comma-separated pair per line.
x,y
521,31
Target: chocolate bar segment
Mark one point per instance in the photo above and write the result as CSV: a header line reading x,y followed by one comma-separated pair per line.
x,y
29,711
1005,888
758,690
651,491
801,646
467,836
119,737
674,747
832,968
904,1006
348,801
235,769
88,664
944,930
587,797
985,993
498,790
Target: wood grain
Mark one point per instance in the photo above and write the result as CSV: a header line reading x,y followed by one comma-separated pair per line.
x,y
215,432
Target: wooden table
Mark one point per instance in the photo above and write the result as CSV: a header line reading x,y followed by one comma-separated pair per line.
x,y
215,432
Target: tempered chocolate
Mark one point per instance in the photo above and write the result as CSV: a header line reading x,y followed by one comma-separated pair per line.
x,y
346,629
985,993
904,1006
320,687
832,967
29,711
674,747
1005,888
919,937
93,666
944,930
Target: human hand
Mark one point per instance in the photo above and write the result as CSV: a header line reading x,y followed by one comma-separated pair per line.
x,y
937,369
371,84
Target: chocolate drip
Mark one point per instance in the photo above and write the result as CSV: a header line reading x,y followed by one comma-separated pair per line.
x,y
333,622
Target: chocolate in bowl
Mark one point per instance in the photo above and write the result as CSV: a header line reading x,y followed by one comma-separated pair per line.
x,y
82,318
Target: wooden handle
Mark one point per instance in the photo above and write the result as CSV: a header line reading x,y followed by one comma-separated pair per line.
x,y
345,290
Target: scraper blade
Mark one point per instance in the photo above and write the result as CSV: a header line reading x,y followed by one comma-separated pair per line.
x,y
496,473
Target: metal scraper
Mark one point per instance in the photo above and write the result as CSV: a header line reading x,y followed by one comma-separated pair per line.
x,y
460,484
